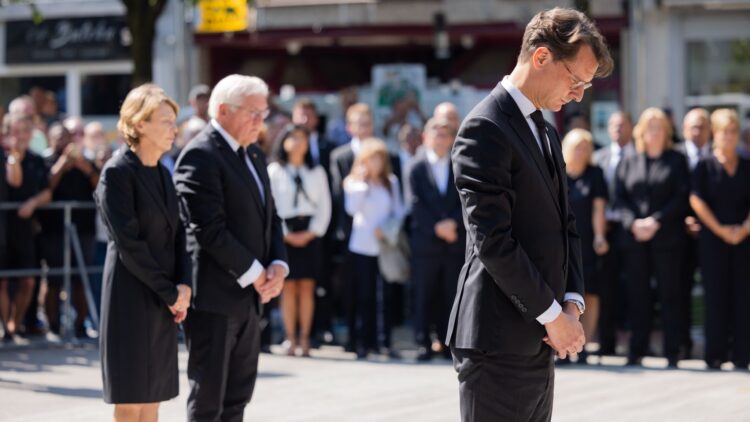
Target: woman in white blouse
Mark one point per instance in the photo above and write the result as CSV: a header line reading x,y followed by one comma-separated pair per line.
x,y
303,202
371,197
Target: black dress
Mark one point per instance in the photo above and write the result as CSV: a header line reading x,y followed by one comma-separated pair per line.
x,y
582,191
146,258
725,267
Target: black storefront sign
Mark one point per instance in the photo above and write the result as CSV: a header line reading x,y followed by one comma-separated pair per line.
x,y
67,40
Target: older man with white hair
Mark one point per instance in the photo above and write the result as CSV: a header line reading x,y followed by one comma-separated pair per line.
x,y
235,238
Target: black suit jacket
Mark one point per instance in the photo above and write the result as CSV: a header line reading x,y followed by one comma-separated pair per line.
x,y
660,192
325,147
228,225
341,162
146,237
428,206
522,250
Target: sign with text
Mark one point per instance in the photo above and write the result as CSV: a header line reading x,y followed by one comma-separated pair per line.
x,y
67,40
221,16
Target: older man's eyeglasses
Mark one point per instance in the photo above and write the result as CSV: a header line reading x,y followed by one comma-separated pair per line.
x,y
577,83
255,114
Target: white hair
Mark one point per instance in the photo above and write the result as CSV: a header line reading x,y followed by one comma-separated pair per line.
x,y
233,89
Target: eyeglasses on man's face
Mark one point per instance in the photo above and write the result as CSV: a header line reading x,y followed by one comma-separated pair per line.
x,y
577,82
254,114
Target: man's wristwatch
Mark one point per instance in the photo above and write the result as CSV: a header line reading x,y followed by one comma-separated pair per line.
x,y
580,305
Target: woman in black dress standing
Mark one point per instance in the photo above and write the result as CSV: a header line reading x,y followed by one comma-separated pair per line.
x,y
147,271
651,194
587,194
721,199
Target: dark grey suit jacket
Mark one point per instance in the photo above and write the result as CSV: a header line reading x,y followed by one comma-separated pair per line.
x,y
228,224
522,250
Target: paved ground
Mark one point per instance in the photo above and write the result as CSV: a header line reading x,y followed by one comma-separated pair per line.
x,y
58,384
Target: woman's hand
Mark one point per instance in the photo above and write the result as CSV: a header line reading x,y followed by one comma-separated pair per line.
x,y
601,246
181,305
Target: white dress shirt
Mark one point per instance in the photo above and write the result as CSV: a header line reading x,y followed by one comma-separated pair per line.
x,y
256,268
440,168
315,203
370,206
527,107
695,154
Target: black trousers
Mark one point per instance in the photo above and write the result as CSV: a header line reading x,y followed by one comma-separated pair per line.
x,y
222,365
362,300
644,262
726,281
612,294
687,281
501,387
435,279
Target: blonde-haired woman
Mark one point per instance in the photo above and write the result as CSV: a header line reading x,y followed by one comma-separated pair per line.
x,y
587,195
371,197
147,271
651,190
721,199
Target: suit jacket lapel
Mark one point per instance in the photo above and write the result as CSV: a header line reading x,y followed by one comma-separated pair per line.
x,y
149,185
254,153
518,122
241,170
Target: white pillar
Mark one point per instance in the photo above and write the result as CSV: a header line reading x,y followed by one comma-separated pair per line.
x,y
73,92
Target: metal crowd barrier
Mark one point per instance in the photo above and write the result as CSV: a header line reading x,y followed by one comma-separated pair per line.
x,y
72,246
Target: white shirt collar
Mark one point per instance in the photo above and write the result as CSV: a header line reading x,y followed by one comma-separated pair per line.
x,y
233,144
356,146
433,158
523,102
616,148
693,149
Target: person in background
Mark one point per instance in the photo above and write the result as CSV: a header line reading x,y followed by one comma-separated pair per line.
x,y
745,143
10,176
303,201
437,236
652,196
25,106
721,200
612,286
587,194
147,272
32,193
337,127
198,99
72,177
447,111
75,126
404,111
371,196
696,131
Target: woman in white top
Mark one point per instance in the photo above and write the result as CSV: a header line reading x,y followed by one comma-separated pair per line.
x,y
371,197
303,202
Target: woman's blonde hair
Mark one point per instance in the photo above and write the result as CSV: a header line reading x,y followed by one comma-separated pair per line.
x,y
574,138
138,106
372,147
640,128
723,117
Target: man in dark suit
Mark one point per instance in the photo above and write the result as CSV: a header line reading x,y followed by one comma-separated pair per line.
x,y
696,131
613,290
523,255
437,235
235,238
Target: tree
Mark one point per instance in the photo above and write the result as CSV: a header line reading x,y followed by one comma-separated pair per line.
x,y
141,16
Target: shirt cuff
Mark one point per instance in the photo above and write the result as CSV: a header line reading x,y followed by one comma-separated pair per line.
x,y
283,264
550,314
251,275
574,296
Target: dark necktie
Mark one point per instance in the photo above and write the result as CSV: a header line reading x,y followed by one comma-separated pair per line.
x,y
538,120
242,155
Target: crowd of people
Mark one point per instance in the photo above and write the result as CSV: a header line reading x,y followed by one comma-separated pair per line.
x,y
374,233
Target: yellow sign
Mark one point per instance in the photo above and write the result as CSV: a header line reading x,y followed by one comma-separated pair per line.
x,y
222,16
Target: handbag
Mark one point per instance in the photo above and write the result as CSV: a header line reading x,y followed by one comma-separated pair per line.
x,y
394,257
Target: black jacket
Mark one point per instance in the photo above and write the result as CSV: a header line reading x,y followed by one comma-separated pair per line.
x,y
522,250
660,191
228,226
428,206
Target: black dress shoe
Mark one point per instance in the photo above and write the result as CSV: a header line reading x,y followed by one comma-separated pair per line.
x,y
634,361
361,353
714,364
672,363
424,354
741,366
